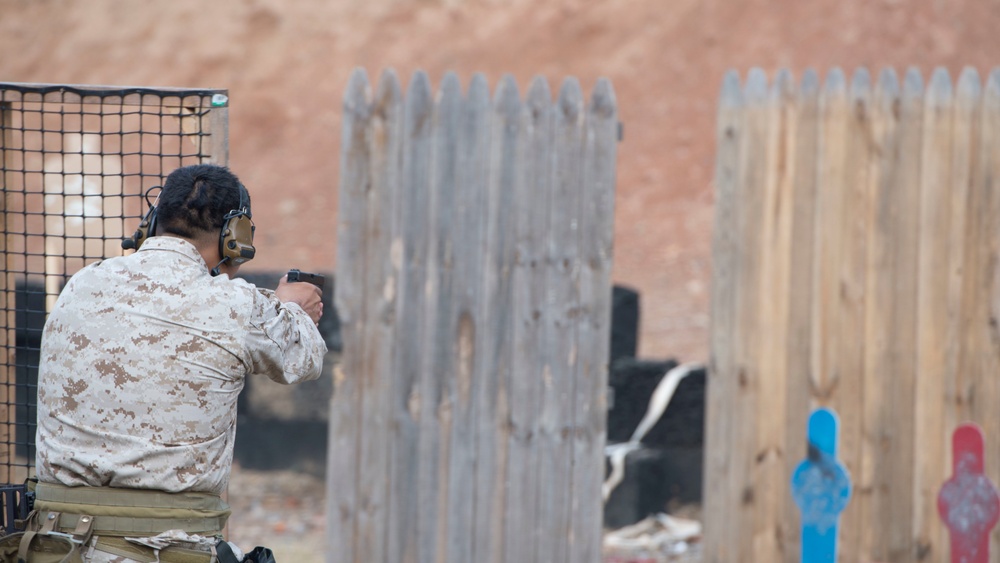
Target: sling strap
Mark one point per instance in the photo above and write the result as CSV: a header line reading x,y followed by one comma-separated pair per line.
x,y
60,546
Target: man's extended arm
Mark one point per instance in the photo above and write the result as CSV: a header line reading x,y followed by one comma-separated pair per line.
x,y
284,342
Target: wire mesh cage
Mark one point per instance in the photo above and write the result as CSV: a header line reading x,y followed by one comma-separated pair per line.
x,y
77,163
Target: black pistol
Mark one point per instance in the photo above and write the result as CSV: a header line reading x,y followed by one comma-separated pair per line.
x,y
298,276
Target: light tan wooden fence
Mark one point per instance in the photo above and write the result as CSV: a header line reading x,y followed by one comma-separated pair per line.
x,y
855,267
473,287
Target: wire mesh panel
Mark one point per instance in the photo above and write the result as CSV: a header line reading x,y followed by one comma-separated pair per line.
x,y
77,165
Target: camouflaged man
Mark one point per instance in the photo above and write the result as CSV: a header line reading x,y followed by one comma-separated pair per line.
x,y
142,361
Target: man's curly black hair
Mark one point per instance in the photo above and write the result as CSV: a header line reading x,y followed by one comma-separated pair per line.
x,y
196,199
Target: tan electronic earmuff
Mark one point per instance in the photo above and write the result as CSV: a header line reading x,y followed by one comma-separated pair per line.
x,y
147,225
236,237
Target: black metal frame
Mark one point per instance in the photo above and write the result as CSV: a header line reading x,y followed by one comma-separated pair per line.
x,y
74,163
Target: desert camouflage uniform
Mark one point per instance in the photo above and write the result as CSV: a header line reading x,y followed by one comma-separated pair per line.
x,y
142,361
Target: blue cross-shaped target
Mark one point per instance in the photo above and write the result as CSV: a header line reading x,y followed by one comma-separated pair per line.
x,y
821,488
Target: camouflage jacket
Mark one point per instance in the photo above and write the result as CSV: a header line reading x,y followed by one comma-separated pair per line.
x,y
142,360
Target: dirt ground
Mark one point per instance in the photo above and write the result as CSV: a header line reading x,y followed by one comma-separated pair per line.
x,y
286,65
282,510
285,511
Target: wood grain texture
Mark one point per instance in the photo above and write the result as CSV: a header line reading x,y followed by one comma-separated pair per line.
x,y
799,365
216,148
747,338
985,219
494,368
345,416
592,343
863,218
560,314
475,258
718,497
935,329
411,482
531,360
769,473
900,387
472,130
845,353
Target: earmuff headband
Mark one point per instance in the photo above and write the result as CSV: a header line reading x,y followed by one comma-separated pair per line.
x,y
235,237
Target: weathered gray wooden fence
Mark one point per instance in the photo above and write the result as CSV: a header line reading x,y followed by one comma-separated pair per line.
x,y
855,267
473,285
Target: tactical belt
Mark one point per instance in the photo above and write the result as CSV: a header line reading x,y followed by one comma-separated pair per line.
x,y
132,512
122,548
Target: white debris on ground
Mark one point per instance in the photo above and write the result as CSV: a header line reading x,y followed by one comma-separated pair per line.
x,y
659,538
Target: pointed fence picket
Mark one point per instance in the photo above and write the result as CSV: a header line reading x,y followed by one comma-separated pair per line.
x,y
474,260
855,251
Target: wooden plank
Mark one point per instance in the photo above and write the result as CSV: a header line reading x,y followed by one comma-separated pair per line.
x,y
889,366
769,480
216,148
750,194
985,219
530,362
846,354
900,377
934,327
834,135
560,312
722,378
800,286
493,366
470,225
384,138
968,102
838,289
961,248
409,479
868,505
436,336
593,330
969,354
349,297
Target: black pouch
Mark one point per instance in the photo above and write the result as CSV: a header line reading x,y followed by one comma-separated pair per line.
x,y
224,553
260,554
